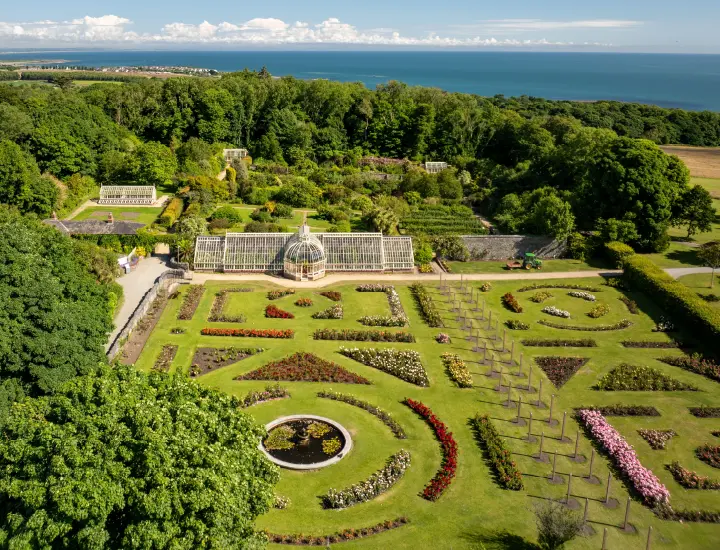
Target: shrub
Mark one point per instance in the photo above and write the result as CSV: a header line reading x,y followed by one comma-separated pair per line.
x,y
650,345
618,253
374,287
281,502
514,324
598,328
277,294
228,213
640,378
403,364
248,332
363,335
540,297
624,457
219,224
538,286
630,304
379,413
333,312
705,412
304,302
511,303
691,480
625,410
560,369
507,472
556,524
458,370
555,312
378,483
425,268
582,295
695,364
274,312
709,454
271,392
674,297
448,445
442,338
332,295
172,212
657,439
560,343
710,297
304,367
191,302
485,287
427,306
598,311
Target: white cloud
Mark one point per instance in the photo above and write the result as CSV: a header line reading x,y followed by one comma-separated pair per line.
x,y
108,29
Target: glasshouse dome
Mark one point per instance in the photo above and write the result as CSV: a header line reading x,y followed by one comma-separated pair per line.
x,y
305,257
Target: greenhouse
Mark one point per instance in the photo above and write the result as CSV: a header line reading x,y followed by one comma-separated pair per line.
x,y
435,167
303,256
127,194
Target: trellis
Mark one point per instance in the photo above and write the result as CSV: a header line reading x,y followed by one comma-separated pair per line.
x,y
127,194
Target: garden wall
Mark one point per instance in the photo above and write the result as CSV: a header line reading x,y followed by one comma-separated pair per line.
x,y
506,247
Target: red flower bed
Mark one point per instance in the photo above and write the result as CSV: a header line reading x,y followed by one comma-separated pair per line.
x,y
510,302
709,455
304,367
448,445
248,332
560,369
274,312
332,295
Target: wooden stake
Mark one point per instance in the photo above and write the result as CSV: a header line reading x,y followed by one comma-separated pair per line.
x,y
604,545
539,401
519,405
587,506
649,539
607,489
592,461
530,427
567,498
577,445
520,365
562,432
509,391
552,476
627,513
552,402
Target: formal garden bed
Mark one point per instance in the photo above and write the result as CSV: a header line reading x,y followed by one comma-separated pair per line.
x,y
640,378
506,471
191,301
304,367
363,335
457,370
560,369
382,415
270,393
333,312
692,480
698,365
206,360
332,295
217,312
427,307
620,325
165,359
547,343
657,439
249,332
344,535
405,365
274,312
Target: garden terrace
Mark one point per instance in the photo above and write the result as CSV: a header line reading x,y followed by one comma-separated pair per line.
x,y
441,220
377,419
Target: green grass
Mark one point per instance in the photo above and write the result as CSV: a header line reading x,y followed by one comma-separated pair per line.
x,y
125,213
558,266
474,512
712,185
700,282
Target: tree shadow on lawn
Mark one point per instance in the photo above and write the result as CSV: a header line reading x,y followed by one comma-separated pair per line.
x,y
497,540
688,256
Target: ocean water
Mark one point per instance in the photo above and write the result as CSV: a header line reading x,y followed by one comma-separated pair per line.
x,y
684,81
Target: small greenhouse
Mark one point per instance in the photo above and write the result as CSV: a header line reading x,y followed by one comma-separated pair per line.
x,y
127,194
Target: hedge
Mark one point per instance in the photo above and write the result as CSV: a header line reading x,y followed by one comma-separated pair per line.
x,y
171,213
685,307
618,253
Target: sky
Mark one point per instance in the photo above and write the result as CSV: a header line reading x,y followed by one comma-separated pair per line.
x,y
611,25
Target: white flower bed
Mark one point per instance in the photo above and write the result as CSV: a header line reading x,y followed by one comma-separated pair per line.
x,y
555,312
583,295
333,312
397,317
404,364
378,483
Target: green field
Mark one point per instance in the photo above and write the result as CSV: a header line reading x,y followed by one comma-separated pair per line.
x,y
474,512
558,266
125,213
700,282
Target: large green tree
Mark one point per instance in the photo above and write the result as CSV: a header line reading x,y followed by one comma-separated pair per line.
x,y
121,460
695,210
21,184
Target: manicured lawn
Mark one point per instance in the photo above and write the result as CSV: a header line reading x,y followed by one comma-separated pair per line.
x,y
126,213
474,512
559,266
700,283
712,185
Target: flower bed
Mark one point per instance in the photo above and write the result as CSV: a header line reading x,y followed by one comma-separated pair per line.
x,y
333,312
379,413
586,343
248,332
695,364
640,378
425,268
511,303
566,287
332,295
442,338
540,297
270,393
700,516
630,304
304,302
560,369
650,345
427,307
514,324
508,474
397,317
363,335
377,484
485,287
624,410
457,370
690,479
657,439
403,364
165,359
624,457
304,367
374,287
191,302
599,328
582,295
600,310
277,294
216,312
705,412
274,312
709,454
339,536
208,359
448,447
382,321
280,502
555,312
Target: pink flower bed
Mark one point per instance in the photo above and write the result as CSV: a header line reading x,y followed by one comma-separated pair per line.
x,y
644,481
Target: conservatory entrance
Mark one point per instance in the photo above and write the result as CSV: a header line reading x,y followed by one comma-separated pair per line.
x,y
304,257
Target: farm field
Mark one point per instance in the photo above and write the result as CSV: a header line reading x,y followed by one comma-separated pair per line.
x,y
126,213
703,162
474,512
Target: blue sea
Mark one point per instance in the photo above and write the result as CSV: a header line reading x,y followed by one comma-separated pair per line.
x,y
684,81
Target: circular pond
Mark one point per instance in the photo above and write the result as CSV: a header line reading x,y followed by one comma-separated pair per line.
x,y
305,442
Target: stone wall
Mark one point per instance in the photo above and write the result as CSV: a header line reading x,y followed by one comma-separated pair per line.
x,y
506,247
